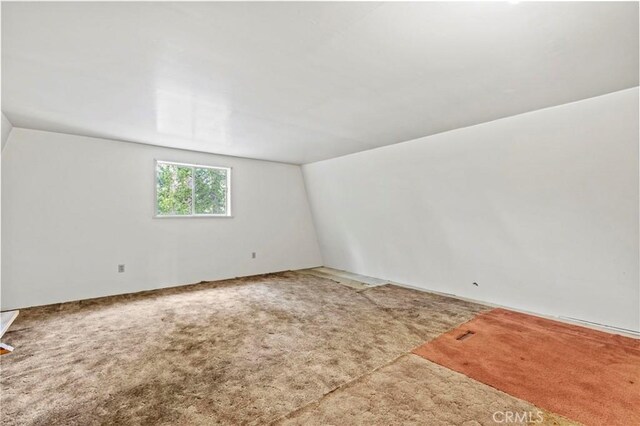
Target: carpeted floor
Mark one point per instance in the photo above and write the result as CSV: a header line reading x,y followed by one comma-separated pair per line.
x,y
584,374
411,391
289,347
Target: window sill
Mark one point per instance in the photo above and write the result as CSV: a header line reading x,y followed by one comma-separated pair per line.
x,y
193,216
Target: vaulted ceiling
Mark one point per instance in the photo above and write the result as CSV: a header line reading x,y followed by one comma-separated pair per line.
x,y
302,82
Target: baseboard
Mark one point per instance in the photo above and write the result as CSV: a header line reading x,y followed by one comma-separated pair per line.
x,y
566,320
138,292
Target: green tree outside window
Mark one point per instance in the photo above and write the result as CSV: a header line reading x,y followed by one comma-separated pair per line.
x,y
184,190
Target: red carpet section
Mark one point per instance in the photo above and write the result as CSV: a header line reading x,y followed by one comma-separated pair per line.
x,y
583,374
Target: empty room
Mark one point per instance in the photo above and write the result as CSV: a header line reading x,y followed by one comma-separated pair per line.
x,y
320,213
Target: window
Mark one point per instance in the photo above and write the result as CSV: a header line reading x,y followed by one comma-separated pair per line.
x,y
191,190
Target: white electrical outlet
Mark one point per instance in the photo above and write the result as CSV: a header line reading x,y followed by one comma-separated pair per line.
x,y
253,255
120,268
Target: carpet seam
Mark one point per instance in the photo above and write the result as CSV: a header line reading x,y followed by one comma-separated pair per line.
x,y
362,376
359,378
337,388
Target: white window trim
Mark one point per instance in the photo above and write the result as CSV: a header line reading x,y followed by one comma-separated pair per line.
x,y
193,214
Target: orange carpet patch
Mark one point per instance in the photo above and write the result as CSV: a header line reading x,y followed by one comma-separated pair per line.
x,y
583,374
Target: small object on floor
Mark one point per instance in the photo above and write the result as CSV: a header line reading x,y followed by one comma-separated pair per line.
x,y
6,318
348,279
465,335
5,349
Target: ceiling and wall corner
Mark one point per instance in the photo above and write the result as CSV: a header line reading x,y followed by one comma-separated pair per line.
x,y
68,223
540,210
6,130
300,82
305,83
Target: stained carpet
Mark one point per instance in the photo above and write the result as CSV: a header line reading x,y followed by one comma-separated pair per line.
x,y
243,351
288,347
586,375
412,391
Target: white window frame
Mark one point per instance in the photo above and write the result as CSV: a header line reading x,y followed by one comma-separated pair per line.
x,y
193,204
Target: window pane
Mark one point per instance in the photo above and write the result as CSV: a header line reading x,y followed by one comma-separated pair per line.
x,y
210,191
174,189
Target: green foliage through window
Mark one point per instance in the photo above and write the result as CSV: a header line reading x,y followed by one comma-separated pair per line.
x,y
184,190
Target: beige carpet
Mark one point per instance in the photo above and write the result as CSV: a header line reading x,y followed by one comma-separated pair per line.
x,y
412,391
245,351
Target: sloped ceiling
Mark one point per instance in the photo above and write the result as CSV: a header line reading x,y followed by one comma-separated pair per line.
x,y
302,82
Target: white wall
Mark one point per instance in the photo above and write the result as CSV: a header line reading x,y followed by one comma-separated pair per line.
x,y
76,207
540,209
5,129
